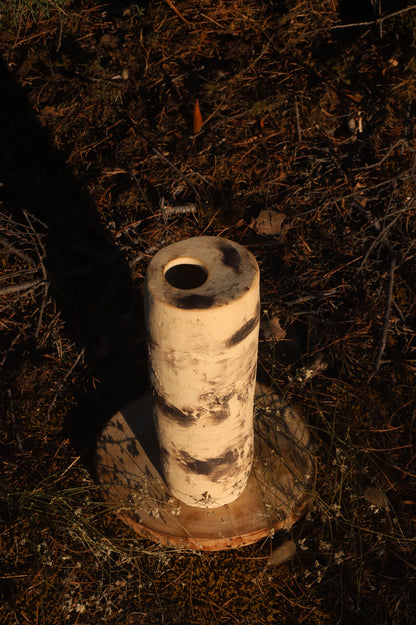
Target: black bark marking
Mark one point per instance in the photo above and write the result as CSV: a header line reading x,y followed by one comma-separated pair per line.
x,y
189,302
230,256
246,452
219,415
243,396
244,331
184,416
218,406
253,373
164,456
214,468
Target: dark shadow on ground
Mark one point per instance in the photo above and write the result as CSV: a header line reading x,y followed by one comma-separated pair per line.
x,y
90,281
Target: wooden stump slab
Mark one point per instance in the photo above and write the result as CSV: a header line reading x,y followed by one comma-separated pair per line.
x,y
278,491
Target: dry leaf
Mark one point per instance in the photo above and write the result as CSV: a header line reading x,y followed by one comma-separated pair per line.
x,y
271,328
197,118
286,551
376,497
307,373
270,222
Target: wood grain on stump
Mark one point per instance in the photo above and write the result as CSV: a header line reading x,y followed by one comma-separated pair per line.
x,y
278,491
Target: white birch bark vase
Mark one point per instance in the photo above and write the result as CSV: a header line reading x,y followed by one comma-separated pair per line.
x,y
202,314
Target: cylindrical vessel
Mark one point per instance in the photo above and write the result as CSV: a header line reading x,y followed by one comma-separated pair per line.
x,y
202,313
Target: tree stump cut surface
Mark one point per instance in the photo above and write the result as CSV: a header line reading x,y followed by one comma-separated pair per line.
x,y
278,491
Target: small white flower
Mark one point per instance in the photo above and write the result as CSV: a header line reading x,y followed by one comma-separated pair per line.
x,y
339,557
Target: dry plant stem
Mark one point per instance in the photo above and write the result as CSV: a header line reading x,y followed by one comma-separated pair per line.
x,y
378,21
387,312
42,309
40,248
13,421
15,340
401,142
382,236
142,193
298,119
14,250
178,171
68,373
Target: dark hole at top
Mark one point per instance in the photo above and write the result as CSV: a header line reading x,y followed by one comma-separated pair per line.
x,y
186,276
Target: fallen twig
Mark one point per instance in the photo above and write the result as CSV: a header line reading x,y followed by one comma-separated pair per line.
x,y
183,209
16,288
309,298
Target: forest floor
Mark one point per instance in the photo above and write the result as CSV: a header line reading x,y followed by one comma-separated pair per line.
x,y
288,127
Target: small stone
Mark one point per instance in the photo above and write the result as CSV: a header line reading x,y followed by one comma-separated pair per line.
x,y
286,551
352,125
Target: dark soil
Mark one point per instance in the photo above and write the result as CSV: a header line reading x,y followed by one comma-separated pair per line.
x,y
307,109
